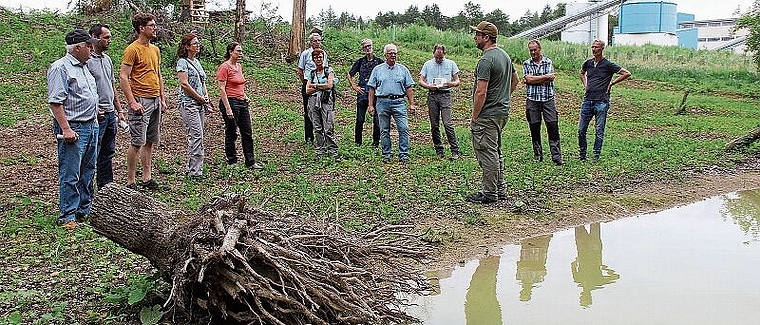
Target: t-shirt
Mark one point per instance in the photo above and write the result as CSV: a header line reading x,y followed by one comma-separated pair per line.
x,y
496,67
145,60
364,68
598,78
235,79
196,77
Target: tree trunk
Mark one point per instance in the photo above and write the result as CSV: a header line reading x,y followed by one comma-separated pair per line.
x,y
231,264
744,141
297,31
240,19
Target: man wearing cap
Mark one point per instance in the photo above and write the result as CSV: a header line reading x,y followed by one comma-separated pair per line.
x,y
438,76
596,75
109,107
388,84
305,67
73,99
495,80
364,66
143,86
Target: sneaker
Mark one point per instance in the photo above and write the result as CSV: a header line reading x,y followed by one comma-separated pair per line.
x,y
455,156
132,186
69,225
255,166
479,198
151,185
559,162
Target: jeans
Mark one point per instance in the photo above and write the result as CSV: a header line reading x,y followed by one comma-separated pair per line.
x,y
194,115
486,142
241,120
396,108
598,110
308,127
106,148
439,110
362,103
76,170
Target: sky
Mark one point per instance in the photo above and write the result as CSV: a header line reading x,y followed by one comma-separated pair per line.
x,y
703,9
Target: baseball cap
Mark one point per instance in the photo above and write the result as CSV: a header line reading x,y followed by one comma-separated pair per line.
x,y
486,28
78,36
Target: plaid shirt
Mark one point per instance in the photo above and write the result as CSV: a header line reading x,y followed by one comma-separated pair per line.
x,y
539,92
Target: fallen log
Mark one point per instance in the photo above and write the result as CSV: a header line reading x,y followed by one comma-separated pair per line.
x,y
744,141
231,263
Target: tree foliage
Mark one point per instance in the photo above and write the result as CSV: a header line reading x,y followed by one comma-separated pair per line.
x,y
751,21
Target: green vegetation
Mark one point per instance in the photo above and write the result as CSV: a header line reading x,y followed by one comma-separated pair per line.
x,y
50,276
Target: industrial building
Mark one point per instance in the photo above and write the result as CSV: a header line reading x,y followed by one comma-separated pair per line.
x,y
641,22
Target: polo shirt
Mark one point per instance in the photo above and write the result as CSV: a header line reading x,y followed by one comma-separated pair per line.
x,y
389,80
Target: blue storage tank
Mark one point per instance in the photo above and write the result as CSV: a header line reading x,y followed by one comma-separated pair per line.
x,y
648,17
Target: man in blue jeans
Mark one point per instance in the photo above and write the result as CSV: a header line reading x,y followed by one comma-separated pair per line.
x,y
389,83
109,108
73,99
596,75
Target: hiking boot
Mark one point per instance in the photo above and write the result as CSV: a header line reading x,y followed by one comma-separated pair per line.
x,y
151,185
69,225
257,166
479,198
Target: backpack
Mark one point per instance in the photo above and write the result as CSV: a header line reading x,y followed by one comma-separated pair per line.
x,y
332,92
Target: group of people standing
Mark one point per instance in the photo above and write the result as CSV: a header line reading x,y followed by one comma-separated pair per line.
x,y
86,110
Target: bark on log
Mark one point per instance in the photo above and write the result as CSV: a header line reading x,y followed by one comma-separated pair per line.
x,y
744,141
231,263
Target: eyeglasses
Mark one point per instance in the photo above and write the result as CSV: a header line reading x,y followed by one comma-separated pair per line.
x,y
195,43
366,46
239,50
391,53
317,40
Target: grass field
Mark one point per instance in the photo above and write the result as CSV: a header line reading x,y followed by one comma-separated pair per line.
x,y
50,276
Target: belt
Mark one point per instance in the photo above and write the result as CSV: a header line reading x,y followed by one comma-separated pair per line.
x,y
439,91
391,96
82,122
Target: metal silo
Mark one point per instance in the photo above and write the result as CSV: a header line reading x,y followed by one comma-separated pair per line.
x,y
647,22
585,33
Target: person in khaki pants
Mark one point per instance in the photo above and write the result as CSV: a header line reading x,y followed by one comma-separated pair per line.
x,y
495,80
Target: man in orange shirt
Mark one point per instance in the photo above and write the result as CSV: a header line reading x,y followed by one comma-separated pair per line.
x,y
143,87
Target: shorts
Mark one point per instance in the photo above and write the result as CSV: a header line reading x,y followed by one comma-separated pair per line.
x,y
146,127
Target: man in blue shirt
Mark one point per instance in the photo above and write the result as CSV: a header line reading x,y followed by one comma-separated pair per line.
x,y
596,75
389,83
438,76
305,67
73,99
363,66
538,74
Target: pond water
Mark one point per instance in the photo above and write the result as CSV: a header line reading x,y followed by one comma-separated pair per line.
x,y
696,264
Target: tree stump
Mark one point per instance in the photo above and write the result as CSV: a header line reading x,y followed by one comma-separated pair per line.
x,y
231,263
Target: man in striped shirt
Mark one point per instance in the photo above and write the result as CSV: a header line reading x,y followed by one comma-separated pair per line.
x,y
73,99
539,77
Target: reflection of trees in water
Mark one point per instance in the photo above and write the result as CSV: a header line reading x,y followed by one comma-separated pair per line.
x,y
481,306
745,210
588,270
531,268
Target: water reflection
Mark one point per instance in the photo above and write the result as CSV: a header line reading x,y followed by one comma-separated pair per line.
x,y
695,264
588,271
481,306
531,268
745,210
